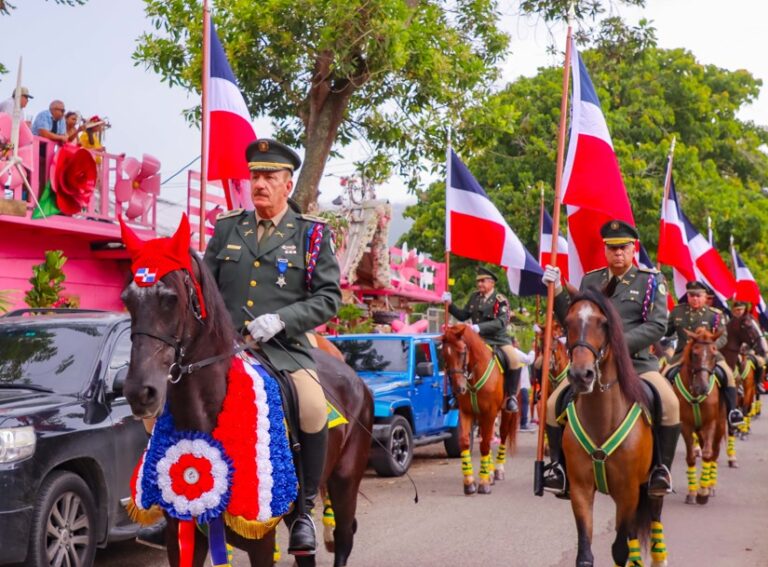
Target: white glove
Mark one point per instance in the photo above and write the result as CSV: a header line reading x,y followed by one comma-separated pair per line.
x,y
447,297
536,328
476,328
552,275
264,327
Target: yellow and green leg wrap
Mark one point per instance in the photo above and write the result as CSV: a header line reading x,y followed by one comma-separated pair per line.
x,y
466,464
635,558
658,547
329,518
731,450
485,468
713,474
706,467
501,455
693,484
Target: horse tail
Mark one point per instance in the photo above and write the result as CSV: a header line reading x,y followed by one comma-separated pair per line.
x,y
512,437
644,516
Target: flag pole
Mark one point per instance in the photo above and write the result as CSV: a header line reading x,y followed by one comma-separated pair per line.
x,y
709,229
446,313
541,231
538,471
204,127
667,185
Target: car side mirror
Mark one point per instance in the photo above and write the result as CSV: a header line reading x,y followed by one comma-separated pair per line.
x,y
119,382
424,369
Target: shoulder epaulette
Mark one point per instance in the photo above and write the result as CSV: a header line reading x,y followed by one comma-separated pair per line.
x,y
594,271
313,218
230,214
647,270
716,310
500,297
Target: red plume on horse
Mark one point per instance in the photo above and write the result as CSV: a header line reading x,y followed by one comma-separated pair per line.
x,y
220,430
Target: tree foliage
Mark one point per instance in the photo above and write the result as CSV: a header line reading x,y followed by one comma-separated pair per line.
x,y
648,95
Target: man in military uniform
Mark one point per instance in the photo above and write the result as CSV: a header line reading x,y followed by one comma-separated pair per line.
x,y
640,298
282,266
738,310
489,313
689,317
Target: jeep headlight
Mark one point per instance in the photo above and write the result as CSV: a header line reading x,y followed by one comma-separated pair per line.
x,y
17,443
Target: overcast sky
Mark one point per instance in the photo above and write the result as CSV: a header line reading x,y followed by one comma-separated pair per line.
x,y
82,55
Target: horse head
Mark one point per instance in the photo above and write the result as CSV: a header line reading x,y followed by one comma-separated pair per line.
x,y
699,356
746,331
456,354
172,322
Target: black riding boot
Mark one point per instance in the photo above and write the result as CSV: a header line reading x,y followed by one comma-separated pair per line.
x,y
555,480
735,417
303,539
154,535
511,383
660,483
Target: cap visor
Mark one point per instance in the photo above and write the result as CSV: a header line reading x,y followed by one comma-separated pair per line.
x,y
618,241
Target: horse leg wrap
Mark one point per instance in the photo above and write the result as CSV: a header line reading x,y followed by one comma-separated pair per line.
x,y
713,474
731,450
485,468
658,547
705,468
501,455
466,466
693,485
635,558
329,518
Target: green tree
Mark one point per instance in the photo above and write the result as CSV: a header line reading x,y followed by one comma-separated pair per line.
x,y
648,95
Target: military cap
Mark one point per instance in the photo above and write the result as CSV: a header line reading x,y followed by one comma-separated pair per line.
x,y
696,286
270,155
618,233
483,273
740,303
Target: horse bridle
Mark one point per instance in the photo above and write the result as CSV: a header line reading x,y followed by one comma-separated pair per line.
x,y
463,363
598,354
177,370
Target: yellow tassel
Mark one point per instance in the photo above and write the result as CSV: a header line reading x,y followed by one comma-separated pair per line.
x,y
142,516
658,547
250,529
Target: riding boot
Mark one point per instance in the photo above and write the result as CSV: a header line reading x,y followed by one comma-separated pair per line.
x,y
154,535
303,539
735,417
660,483
555,479
511,383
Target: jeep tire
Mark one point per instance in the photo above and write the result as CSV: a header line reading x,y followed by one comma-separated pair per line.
x,y
400,444
452,445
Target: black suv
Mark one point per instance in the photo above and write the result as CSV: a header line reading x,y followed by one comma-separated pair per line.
x,y
68,442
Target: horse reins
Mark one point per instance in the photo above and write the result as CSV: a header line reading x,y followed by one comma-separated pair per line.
x,y
598,354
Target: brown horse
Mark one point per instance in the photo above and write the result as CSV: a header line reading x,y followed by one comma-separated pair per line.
x,y
167,330
702,412
478,383
743,336
608,443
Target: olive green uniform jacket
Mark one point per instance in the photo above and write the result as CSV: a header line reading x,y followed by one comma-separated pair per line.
x,y
683,317
640,332
248,275
490,314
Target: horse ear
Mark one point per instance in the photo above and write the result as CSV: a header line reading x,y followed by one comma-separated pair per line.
x,y
132,241
690,334
182,236
717,334
459,329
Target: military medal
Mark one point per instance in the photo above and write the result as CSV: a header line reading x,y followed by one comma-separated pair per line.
x,y
282,266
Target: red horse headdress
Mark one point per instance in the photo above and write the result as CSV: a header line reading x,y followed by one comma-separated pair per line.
x,y
153,259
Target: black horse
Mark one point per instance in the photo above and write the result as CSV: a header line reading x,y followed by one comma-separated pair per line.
x,y
166,329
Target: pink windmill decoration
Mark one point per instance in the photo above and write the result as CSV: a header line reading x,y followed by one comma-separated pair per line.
x,y
137,183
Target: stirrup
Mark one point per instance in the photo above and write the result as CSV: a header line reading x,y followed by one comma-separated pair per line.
x,y
555,480
660,491
511,404
735,417
301,548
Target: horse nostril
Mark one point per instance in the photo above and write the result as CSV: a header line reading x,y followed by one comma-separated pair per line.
x,y
148,396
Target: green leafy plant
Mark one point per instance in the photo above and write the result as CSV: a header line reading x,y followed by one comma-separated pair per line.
x,y
351,319
47,281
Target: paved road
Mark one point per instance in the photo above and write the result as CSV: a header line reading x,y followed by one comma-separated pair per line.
x,y
513,528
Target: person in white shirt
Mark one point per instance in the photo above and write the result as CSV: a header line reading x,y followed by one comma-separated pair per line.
x,y
7,105
524,362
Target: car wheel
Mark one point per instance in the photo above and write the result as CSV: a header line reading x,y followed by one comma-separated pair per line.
x,y
398,459
452,446
63,523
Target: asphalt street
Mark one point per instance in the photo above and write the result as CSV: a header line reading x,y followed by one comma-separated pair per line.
x,y
511,527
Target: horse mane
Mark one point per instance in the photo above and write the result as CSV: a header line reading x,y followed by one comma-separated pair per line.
x,y
629,381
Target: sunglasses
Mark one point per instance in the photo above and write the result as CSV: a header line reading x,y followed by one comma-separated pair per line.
x,y
59,109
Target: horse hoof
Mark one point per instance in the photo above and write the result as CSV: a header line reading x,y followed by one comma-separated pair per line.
x,y
484,489
470,489
733,464
711,491
498,475
690,499
702,499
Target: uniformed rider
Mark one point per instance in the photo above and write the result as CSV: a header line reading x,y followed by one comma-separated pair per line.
x,y
282,266
489,313
690,316
640,298
738,309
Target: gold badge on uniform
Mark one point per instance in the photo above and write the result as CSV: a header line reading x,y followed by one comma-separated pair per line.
x,y
289,249
662,289
263,146
614,225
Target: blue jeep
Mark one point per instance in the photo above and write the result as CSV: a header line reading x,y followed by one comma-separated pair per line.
x,y
411,397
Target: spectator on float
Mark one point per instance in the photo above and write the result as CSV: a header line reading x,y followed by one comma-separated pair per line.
x,y
7,105
50,123
525,360
72,119
91,136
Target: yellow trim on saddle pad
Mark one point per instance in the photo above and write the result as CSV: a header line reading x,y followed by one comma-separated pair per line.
x,y
335,417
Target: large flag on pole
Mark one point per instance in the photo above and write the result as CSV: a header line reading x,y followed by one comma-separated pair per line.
x,y
230,122
474,228
689,253
593,189
545,245
748,290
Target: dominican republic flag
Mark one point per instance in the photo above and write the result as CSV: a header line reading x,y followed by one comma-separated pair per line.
x,y
690,254
474,228
230,122
748,290
545,246
594,191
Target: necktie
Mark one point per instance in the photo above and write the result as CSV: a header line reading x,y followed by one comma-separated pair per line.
x,y
55,127
267,228
611,287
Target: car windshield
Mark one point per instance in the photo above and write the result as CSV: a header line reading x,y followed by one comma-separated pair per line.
x,y
375,355
53,357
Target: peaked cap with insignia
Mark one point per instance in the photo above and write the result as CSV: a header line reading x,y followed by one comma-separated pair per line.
x,y
270,155
618,233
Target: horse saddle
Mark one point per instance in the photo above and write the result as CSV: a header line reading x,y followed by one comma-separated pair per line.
x,y
501,358
652,402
